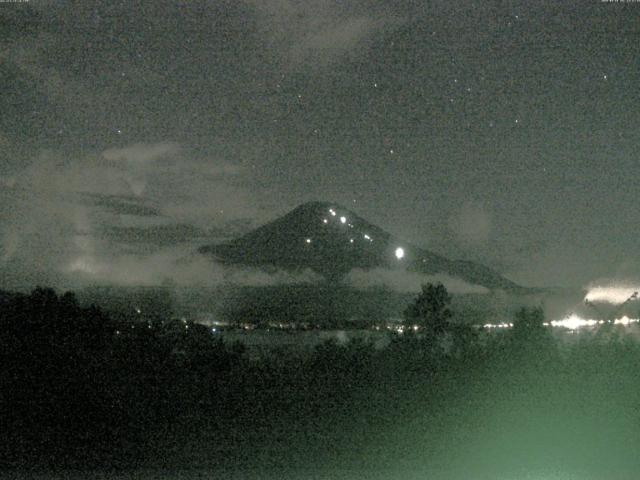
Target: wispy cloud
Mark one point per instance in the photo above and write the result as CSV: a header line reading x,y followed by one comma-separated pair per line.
x,y
85,216
317,33
121,205
154,236
141,152
408,282
172,265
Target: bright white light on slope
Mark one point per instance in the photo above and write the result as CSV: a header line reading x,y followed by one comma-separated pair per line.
x,y
399,253
332,212
324,220
343,219
614,295
308,240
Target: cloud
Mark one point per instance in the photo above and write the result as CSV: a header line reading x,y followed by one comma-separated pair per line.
x,y
103,213
257,277
139,160
40,234
189,190
316,33
121,205
408,282
142,270
335,41
141,152
155,235
613,291
172,265
201,191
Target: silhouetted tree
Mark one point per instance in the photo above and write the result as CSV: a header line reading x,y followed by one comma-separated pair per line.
x,y
533,344
430,310
528,321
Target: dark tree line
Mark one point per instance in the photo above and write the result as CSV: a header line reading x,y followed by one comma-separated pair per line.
x,y
79,387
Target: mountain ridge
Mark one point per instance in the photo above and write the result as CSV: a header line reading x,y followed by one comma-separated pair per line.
x,y
332,240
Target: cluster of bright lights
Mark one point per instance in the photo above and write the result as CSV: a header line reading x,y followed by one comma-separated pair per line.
x,y
624,320
498,325
572,322
399,252
344,221
401,328
613,295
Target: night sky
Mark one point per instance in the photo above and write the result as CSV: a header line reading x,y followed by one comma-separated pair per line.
x,y
501,132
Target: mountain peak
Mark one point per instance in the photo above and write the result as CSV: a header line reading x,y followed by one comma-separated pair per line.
x,y
315,205
320,208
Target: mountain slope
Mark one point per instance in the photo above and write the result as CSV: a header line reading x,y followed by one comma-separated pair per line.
x,y
332,240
